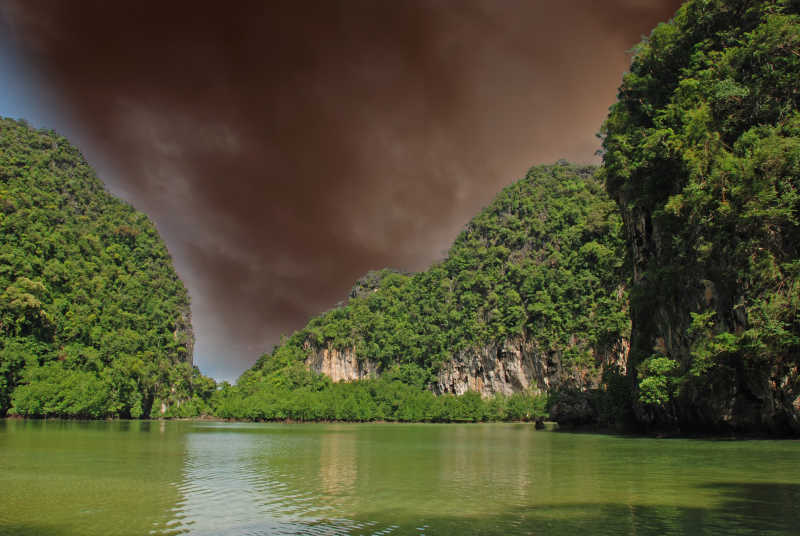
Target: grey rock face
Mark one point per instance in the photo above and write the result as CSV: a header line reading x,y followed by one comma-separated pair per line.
x,y
341,365
741,394
520,365
516,365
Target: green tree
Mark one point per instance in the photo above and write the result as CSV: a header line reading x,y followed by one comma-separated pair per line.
x,y
544,261
94,322
702,154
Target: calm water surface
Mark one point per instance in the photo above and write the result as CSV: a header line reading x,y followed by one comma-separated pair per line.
x,y
106,478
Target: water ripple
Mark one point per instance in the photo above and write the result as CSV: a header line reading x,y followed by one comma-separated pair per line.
x,y
171,479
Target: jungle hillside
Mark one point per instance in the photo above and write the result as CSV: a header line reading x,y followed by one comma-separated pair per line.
x,y
702,154
658,291
94,321
544,263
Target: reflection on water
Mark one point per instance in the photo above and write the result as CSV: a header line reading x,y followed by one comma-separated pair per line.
x,y
60,477
167,478
245,479
337,466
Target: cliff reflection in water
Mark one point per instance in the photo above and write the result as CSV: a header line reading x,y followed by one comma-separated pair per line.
x,y
168,478
267,479
77,477
337,467
478,479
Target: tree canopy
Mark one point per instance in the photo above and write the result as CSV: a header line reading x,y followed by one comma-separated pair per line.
x,y
702,153
94,321
544,260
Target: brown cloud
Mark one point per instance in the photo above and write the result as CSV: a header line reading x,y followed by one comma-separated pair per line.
x,y
285,149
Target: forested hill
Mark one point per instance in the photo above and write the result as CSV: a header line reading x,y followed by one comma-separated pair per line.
x,y
534,284
660,290
542,260
702,153
94,321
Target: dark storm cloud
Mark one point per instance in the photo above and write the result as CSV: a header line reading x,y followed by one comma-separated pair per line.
x,y
284,149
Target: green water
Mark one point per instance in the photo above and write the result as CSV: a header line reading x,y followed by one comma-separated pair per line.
x,y
106,478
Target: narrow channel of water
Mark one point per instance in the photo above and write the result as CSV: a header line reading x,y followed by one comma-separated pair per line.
x,y
105,478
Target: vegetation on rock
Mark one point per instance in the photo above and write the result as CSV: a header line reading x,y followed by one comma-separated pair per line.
x,y
702,154
696,210
544,260
94,322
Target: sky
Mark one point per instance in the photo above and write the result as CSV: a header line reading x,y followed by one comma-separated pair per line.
x,y
283,149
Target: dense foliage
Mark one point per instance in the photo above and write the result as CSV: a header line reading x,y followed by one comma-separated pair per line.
x,y
306,396
544,260
94,321
702,153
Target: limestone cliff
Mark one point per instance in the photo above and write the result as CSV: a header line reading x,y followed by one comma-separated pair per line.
x,y
756,392
340,365
710,210
94,320
519,365
531,296
515,365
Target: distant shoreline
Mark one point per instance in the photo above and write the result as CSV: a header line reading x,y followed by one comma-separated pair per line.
x,y
549,426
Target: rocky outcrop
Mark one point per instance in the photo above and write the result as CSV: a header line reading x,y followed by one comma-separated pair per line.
x,y
184,333
749,393
371,282
513,366
520,365
341,365
710,216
